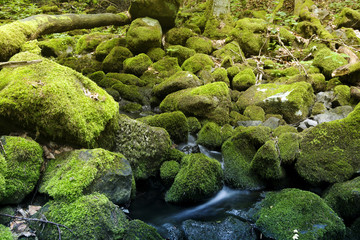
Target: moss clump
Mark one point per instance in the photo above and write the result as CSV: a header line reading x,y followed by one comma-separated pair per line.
x,y
289,147
348,18
231,50
317,81
220,75
342,96
292,209
328,61
161,69
57,47
254,113
199,44
210,136
284,129
266,162
218,28
89,217
128,92
343,198
104,48
178,36
226,132
137,65
194,125
197,62
235,117
88,43
318,108
6,210
180,52
155,54
131,107
113,62
144,34
238,152
112,92
244,79
97,76
175,123
108,82
20,168
232,71
139,230
128,79
168,172
5,233
199,177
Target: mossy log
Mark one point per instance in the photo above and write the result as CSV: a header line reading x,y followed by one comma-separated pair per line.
x,y
15,34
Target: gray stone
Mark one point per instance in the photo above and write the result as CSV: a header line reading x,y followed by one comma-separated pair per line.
x,y
272,122
249,123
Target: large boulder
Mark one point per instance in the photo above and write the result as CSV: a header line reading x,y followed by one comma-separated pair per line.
x,y
56,102
293,212
79,172
144,146
292,101
164,11
199,177
138,230
20,166
211,101
89,217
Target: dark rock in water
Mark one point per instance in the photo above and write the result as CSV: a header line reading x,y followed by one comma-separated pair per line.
x,y
229,229
240,214
272,122
139,230
172,232
249,123
190,149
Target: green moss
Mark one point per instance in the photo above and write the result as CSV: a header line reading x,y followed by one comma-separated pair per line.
x,y
174,155
318,108
73,174
244,79
254,113
175,123
6,210
112,92
266,162
89,217
343,198
289,147
342,95
178,36
168,172
88,43
5,233
108,82
284,129
226,132
232,71
137,65
199,177
113,62
160,70
317,81
292,209
131,107
235,117
139,230
249,35
197,62
231,50
155,54
218,28
199,44
180,52
332,83
286,36
220,75
57,47
348,18
97,76
104,48
328,61
128,79
128,92
194,125
210,136
352,39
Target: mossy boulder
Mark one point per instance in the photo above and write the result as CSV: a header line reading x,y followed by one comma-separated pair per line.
x,y
211,101
163,10
5,233
155,54
348,18
197,62
137,65
58,102
79,172
231,50
168,171
175,123
128,79
143,34
210,136
128,92
180,52
289,147
91,216
292,101
20,168
89,42
194,125
199,44
341,96
328,61
255,113
113,62
344,197
57,47
244,79
290,212
144,146
161,70
178,36
218,27
178,81
138,230
96,76
104,48
220,75
199,177
238,152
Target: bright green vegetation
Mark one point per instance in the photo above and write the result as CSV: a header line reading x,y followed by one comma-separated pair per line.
x,y
197,62
56,47
199,44
20,168
284,212
289,147
75,173
210,136
342,95
199,177
178,36
161,70
328,61
283,129
180,52
88,43
57,102
244,79
113,62
139,230
156,54
194,125
220,75
105,47
254,113
168,171
137,65
5,233
128,79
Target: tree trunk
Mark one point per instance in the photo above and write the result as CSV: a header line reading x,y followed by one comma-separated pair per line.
x,y
15,34
220,7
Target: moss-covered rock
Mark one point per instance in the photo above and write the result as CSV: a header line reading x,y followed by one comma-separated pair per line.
x,y
218,27
128,79
89,42
168,171
295,212
178,36
254,113
6,210
113,62
316,80
138,230
180,52
97,76
231,50
20,168
343,198
80,172
5,233
128,92
238,152
220,75
178,81
137,65
89,217
341,96
85,64
175,123
292,101
244,79
130,107
199,177
161,70
211,101
328,61
197,62
57,47
144,146
194,125
155,54
289,147
104,48
266,162
210,136
284,129
163,10
348,18
199,44
143,34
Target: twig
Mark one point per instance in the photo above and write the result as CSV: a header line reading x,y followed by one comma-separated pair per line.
x,y
58,225
18,64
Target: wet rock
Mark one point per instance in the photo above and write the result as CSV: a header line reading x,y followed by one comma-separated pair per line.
x,y
249,123
137,229
271,122
188,149
325,98
307,123
169,231
333,114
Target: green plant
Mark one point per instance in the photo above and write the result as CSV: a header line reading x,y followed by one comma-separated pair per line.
x,y
17,9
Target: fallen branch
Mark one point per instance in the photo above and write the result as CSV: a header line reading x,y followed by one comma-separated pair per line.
x,y
58,225
18,64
